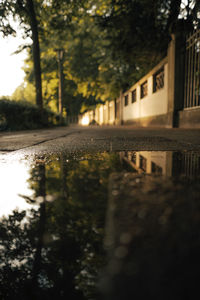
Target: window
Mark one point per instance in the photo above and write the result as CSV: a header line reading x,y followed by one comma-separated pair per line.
x,y
143,163
126,154
133,157
117,109
126,100
144,89
155,168
158,80
133,96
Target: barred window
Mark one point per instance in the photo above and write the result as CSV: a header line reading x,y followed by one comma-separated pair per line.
x,y
155,168
126,100
158,80
133,157
144,89
133,96
117,110
143,163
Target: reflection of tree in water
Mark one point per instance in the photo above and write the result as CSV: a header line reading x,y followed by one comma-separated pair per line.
x,y
55,250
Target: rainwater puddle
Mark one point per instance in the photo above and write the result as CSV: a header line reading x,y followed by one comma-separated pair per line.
x,y
55,215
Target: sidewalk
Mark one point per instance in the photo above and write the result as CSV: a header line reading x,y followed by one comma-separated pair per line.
x,y
12,141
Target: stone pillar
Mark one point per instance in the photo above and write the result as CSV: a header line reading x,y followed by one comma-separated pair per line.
x,y
176,72
121,108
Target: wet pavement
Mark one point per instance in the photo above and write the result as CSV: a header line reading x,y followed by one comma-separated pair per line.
x,y
106,138
98,218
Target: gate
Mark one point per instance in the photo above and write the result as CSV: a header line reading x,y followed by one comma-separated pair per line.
x,y
192,70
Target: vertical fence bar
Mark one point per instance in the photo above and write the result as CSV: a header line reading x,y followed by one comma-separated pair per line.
x,y
194,68
188,166
186,76
197,67
198,70
185,86
189,70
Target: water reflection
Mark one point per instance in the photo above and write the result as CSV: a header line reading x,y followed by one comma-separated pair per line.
x,y
13,181
54,249
168,163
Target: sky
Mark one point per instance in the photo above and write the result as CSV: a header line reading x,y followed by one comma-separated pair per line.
x,y
11,73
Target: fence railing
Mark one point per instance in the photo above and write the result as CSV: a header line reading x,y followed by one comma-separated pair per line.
x,y
72,119
192,70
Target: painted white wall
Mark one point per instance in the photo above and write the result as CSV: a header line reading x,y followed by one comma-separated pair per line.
x,y
111,106
152,105
162,159
132,110
155,103
158,157
101,115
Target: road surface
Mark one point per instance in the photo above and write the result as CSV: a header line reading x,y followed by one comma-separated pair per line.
x,y
107,138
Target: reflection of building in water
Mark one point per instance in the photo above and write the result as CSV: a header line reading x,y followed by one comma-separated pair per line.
x,y
167,163
186,164
157,162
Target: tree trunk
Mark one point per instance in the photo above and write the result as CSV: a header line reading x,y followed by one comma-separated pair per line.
x,y
173,13
36,53
61,83
41,228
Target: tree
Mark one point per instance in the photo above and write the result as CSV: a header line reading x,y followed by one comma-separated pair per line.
x,y
30,11
25,11
109,44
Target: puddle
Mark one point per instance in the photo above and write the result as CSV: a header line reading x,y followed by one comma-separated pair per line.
x,y
52,244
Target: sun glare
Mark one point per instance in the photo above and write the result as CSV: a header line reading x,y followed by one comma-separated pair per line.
x,y
85,121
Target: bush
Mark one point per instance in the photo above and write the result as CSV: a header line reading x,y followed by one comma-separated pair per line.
x,y
16,115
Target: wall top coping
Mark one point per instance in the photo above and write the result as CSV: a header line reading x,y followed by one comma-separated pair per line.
x,y
143,79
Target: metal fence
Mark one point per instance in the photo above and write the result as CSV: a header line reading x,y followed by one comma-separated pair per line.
x,y
72,119
186,165
192,70
191,165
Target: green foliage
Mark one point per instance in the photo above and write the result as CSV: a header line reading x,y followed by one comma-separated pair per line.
x,y
109,44
16,115
24,92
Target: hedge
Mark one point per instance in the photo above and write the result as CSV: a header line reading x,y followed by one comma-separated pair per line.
x,y
16,115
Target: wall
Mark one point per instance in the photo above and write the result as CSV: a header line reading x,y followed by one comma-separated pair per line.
x,y
163,108
154,104
152,108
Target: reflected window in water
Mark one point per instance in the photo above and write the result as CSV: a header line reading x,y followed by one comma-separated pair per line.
x,y
155,168
143,163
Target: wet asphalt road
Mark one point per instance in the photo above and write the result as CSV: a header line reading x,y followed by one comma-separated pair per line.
x,y
107,138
